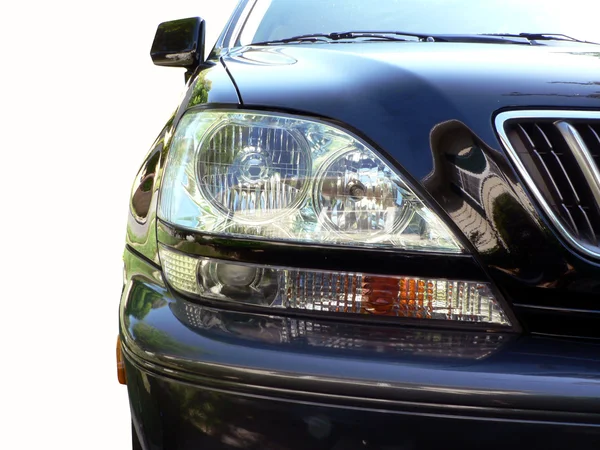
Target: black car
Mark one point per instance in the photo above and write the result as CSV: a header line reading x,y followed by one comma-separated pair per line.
x,y
370,225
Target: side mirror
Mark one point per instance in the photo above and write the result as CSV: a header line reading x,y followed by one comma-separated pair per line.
x,y
179,43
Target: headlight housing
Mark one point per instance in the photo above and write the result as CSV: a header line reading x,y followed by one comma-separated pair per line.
x,y
255,175
283,178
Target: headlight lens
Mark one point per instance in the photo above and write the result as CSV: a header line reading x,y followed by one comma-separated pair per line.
x,y
269,176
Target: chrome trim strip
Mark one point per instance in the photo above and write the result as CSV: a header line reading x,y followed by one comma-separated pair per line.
x,y
559,115
582,155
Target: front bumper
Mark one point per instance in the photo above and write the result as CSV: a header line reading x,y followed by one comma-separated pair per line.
x,y
199,377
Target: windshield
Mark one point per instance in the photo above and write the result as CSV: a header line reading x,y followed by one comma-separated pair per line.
x,y
279,19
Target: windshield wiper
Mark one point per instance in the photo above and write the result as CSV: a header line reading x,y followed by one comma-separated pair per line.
x,y
504,38
349,35
540,37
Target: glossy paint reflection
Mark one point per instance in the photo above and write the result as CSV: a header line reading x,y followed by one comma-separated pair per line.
x,y
186,417
471,184
141,223
480,192
314,335
141,227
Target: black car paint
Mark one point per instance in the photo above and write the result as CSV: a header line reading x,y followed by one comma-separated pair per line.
x,y
414,102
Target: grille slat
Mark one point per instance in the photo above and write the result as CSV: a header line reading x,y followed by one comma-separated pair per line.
x,y
569,189
558,155
591,138
595,133
566,175
590,231
544,137
569,217
548,176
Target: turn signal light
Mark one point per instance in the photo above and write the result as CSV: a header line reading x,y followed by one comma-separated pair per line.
x,y
337,292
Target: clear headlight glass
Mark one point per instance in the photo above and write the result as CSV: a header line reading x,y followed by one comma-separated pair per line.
x,y
277,177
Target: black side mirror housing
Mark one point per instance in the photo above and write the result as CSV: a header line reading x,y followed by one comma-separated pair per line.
x,y
179,43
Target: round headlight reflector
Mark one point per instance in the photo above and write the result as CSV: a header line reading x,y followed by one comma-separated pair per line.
x,y
357,194
253,173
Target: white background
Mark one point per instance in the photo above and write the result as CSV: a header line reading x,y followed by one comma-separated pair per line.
x,y
80,105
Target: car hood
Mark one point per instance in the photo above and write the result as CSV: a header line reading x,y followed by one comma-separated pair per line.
x,y
426,105
385,90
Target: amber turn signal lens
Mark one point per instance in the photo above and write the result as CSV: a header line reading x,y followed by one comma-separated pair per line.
x,y
120,363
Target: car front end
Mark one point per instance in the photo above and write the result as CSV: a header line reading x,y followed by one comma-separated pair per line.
x,y
368,240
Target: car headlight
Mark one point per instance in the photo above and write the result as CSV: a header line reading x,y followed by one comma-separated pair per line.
x,y
275,177
272,176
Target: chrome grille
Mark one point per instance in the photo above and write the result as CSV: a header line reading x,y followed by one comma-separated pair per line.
x,y
558,155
